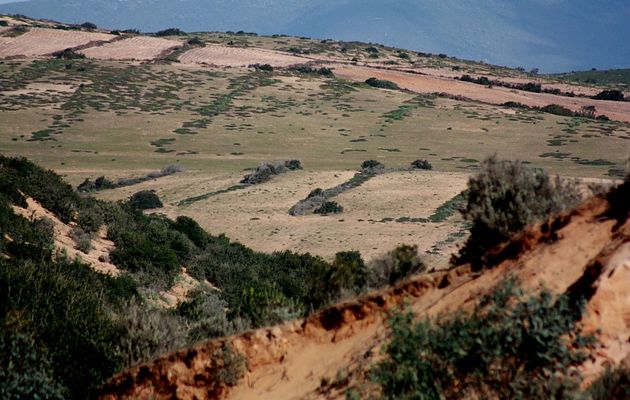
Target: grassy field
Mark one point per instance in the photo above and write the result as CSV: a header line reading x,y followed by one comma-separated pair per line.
x,y
86,119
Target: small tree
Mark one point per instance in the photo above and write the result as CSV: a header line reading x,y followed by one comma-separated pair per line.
x,y
145,200
421,164
90,26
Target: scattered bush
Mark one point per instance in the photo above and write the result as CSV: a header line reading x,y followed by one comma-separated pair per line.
x,y
170,32
511,346
3,23
382,84
329,207
503,198
557,110
68,54
90,26
262,67
421,164
192,230
398,264
145,333
612,95
307,69
195,41
371,166
102,183
266,171
82,240
145,200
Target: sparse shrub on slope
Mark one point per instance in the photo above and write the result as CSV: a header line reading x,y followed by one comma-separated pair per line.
x,y
503,198
398,264
613,384
512,346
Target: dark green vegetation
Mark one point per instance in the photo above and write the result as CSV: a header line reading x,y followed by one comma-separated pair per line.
x,y
613,77
503,198
329,207
145,200
64,328
382,84
512,345
102,183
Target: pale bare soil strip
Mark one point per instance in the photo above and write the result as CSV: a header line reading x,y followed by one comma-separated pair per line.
x,y
135,48
42,41
616,110
227,56
101,246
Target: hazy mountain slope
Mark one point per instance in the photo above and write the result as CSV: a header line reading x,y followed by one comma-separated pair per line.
x,y
554,35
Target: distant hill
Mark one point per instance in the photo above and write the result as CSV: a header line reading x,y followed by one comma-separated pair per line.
x,y
553,35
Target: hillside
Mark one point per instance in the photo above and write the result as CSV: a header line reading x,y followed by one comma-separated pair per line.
x,y
554,36
138,103
231,215
586,255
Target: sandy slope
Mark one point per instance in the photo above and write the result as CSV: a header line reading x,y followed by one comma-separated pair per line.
x,y
101,246
584,253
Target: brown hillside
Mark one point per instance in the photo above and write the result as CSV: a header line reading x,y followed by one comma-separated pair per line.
x,y
585,253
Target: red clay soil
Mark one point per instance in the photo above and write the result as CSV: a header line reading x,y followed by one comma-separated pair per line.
x,y
584,253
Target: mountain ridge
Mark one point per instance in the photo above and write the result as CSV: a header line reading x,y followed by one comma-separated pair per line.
x,y
554,36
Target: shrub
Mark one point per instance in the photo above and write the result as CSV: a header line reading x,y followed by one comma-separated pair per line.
x,y
347,275
195,41
329,207
506,196
372,166
511,346
266,171
262,67
68,54
67,314
82,240
145,200
90,26
557,110
230,364
145,333
398,264
192,230
613,95
382,84
3,23
205,312
25,368
170,32
613,384
421,164
307,69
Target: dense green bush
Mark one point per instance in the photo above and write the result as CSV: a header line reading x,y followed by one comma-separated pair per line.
x,y
511,346
145,200
192,230
25,367
503,198
66,312
68,54
347,275
382,84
